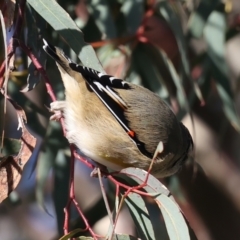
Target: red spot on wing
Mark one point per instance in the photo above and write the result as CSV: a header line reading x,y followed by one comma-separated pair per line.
x,y
131,133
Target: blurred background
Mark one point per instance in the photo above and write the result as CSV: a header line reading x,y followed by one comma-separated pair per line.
x,y
185,51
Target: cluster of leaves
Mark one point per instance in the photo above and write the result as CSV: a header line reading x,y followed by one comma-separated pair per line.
x,y
141,41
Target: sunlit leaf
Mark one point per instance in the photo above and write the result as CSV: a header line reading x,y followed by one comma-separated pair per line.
x,y
140,216
173,218
175,223
61,22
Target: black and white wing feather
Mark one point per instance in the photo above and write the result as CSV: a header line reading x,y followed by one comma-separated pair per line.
x,y
103,86
102,82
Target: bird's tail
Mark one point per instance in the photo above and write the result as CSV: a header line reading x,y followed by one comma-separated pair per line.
x,y
56,53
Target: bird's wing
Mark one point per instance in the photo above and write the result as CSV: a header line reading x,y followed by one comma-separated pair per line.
x,y
103,86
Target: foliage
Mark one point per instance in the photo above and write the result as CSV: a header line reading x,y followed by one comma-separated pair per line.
x,y
145,42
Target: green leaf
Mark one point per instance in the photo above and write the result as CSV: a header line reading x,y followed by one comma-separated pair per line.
x,y
199,17
153,185
33,78
167,12
61,186
102,17
124,237
115,237
181,95
133,76
73,233
204,79
11,147
53,141
149,71
36,26
78,230
105,53
140,216
44,165
133,13
215,37
84,238
61,22
175,223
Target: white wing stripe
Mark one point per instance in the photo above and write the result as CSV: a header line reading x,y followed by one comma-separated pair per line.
x,y
100,74
99,86
116,97
119,120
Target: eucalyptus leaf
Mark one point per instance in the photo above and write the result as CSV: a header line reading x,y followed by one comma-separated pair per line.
x,y
169,14
11,147
199,17
53,141
140,216
61,22
44,165
181,95
103,18
133,13
149,71
173,218
61,185
124,237
36,26
73,233
214,34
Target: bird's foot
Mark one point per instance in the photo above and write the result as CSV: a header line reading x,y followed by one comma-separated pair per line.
x,y
57,108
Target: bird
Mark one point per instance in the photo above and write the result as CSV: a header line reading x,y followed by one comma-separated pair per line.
x,y
116,123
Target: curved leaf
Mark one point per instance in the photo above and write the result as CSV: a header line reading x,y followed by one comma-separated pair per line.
x,y
61,186
181,95
175,223
103,18
149,71
199,17
36,26
166,10
140,216
133,13
60,20
73,233
215,37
